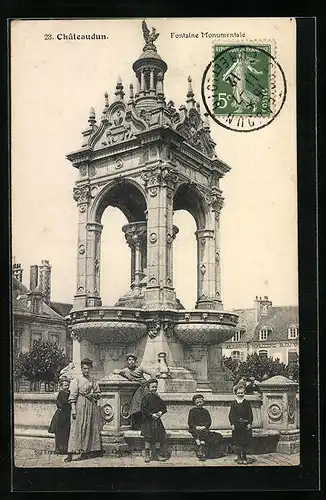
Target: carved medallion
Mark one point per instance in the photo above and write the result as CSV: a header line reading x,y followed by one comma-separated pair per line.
x,y
81,249
153,238
275,412
108,412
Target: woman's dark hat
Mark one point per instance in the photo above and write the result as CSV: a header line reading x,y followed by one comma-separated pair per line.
x,y
195,397
86,361
131,355
152,381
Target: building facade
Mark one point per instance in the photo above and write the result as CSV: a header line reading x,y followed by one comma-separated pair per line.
x,y
266,330
35,317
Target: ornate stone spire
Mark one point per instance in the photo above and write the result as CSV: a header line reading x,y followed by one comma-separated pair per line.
x,y
92,118
119,93
106,105
148,68
190,95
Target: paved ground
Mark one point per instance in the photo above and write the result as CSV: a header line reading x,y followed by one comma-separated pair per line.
x,y
175,461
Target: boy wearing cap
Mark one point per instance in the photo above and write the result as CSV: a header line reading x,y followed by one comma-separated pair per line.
x,y
135,373
199,422
153,407
241,419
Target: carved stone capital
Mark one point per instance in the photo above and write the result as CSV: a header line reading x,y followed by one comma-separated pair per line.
x,y
135,233
82,194
160,176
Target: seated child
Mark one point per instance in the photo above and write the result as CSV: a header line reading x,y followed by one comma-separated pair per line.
x,y
199,421
60,423
241,418
153,407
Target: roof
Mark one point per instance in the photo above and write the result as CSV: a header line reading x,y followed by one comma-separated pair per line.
x,y
61,308
278,320
21,301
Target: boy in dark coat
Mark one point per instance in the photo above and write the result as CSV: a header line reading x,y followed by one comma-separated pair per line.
x,y
60,423
241,418
199,421
153,407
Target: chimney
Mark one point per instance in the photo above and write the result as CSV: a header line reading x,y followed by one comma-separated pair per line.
x,y
33,280
262,306
44,280
17,271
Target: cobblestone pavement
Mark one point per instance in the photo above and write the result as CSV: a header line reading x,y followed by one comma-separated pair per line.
x,y
268,459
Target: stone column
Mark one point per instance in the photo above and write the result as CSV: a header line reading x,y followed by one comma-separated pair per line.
x,y
82,196
135,234
93,262
151,82
205,269
159,183
142,82
217,206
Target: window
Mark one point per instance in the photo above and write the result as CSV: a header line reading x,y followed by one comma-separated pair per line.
x,y
237,336
35,337
263,334
235,354
293,332
54,337
17,339
263,353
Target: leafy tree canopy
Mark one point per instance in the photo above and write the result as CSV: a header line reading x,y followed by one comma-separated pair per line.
x,y
42,362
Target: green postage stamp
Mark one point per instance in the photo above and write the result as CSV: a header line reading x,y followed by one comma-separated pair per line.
x,y
244,87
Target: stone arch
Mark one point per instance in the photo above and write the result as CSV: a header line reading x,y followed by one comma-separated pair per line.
x,y
125,194
188,197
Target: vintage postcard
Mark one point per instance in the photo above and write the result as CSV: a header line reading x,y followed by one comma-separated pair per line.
x,y
154,243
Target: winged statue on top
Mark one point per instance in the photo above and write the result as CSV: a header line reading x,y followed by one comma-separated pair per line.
x,y
149,37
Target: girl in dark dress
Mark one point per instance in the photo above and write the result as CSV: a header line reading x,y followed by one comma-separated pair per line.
x,y
60,423
153,407
199,421
241,418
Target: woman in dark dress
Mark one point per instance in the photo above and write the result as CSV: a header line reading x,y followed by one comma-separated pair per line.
x,y
199,421
60,423
153,407
241,419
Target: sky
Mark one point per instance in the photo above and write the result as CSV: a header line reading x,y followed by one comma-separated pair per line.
x,y
54,83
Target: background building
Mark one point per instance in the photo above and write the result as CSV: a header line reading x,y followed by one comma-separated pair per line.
x,y
35,316
267,330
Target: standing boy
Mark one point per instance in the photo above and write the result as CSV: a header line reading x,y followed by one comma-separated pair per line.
x,y
241,419
153,407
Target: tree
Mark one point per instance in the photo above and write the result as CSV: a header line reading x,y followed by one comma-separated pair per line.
x,y
18,365
256,366
42,362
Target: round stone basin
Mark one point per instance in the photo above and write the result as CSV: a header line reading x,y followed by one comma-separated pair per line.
x,y
205,327
108,324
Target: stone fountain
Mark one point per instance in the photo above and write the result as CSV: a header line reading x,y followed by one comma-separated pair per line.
x,y
149,159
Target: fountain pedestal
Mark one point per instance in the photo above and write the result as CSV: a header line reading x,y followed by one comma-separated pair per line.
x,y
116,394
